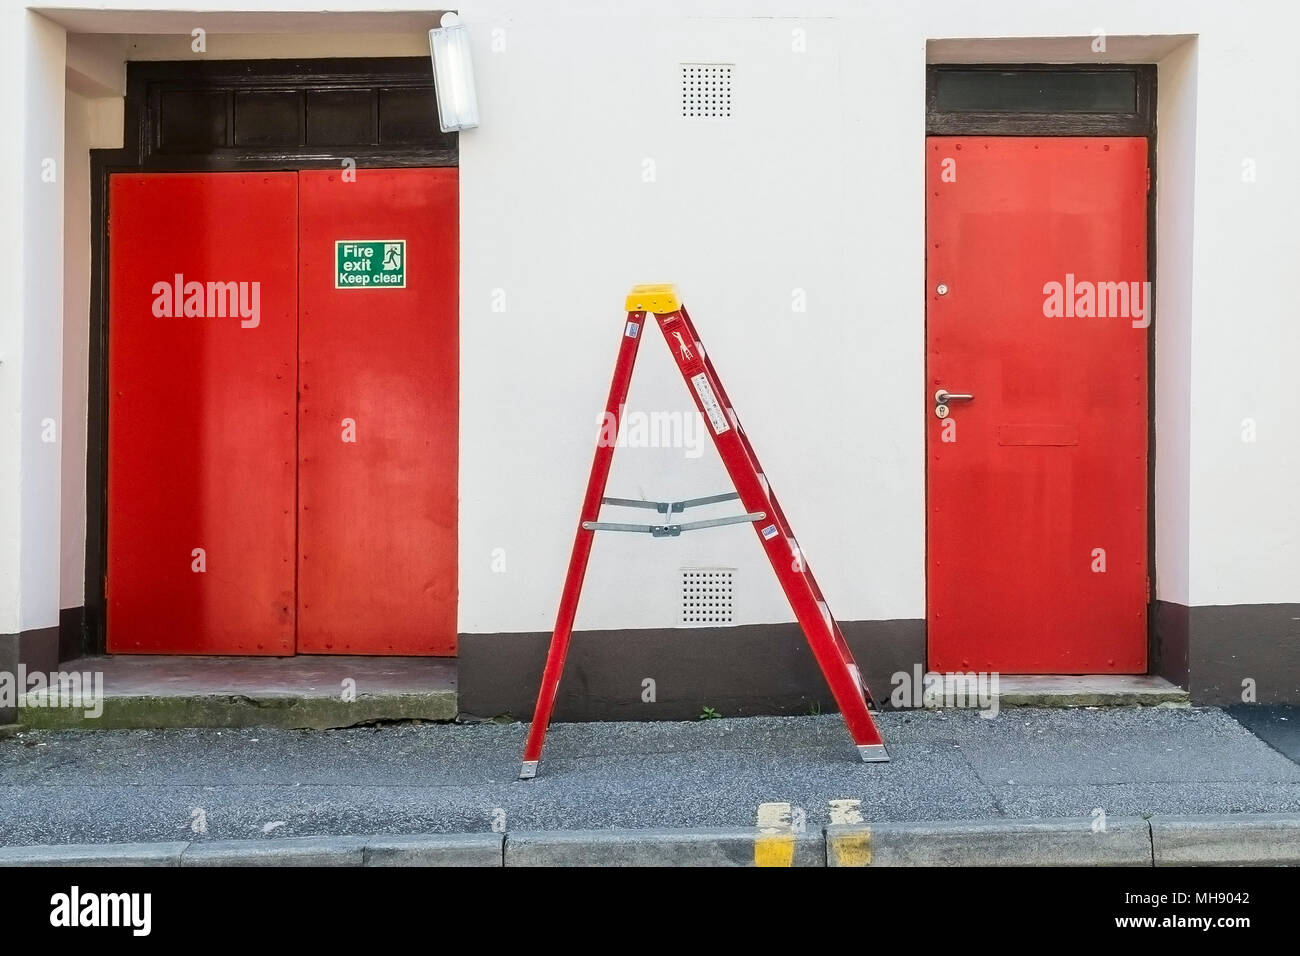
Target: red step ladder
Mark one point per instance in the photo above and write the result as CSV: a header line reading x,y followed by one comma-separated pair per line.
x,y
756,497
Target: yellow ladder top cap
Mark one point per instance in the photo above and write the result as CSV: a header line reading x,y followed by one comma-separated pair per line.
x,y
659,299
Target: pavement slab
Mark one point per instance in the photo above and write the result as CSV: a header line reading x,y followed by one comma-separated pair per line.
x,y
62,787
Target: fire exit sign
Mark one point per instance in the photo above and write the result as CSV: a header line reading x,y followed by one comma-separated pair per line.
x,y
370,264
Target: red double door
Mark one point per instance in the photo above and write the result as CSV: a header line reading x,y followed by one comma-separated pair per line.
x,y
1037,326
282,419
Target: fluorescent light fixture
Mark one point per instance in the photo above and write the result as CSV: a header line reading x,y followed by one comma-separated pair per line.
x,y
453,75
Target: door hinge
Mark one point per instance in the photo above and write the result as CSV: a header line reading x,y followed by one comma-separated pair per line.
x,y
1148,179
1148,589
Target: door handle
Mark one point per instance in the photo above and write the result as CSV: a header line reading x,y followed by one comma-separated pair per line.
x,y
943,397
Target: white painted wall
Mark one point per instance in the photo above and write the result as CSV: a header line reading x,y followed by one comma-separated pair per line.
x,y
12,187
1175,231
1245,512
815,184
42,320
31,207
78,119
740,214
818,183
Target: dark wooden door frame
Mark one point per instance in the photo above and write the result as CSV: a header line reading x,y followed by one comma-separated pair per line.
x,y
144,151
1140,121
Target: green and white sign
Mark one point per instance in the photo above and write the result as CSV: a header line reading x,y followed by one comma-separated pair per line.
x,y
370,264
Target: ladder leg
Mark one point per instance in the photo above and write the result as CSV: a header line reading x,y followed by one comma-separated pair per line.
x,y
582,543
775,535
559,649
845,682
829,649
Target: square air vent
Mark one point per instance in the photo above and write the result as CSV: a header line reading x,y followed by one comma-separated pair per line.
x,y
706,90
706,596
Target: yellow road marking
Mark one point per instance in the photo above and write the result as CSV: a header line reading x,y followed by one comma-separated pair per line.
x,y
774,845
850,849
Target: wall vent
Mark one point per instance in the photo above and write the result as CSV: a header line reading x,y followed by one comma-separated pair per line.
x,y
707,596
706,90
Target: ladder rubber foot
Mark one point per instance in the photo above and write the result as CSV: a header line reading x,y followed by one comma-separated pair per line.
x,y
873,753
529,769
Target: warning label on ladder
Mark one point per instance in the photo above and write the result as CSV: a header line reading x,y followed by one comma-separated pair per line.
x,y
710,403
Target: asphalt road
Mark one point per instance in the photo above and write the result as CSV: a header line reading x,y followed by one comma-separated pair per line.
x,y
1278,725
117,786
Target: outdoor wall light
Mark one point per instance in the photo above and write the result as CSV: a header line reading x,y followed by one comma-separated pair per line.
x,y
453,75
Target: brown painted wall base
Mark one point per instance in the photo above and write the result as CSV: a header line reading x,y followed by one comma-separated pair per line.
x,y
37,650
1212,650
768,669
8,665
1229,644
72,633
738,671
40,649
1168,657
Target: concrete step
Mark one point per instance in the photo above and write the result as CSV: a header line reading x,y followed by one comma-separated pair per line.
x,y
1090,690
308,692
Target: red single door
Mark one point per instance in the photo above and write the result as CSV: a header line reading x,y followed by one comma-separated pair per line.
x,y
1036,488
378,379
202,333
